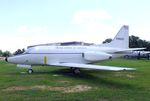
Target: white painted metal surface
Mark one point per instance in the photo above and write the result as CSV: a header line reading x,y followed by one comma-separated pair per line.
x,y
76,56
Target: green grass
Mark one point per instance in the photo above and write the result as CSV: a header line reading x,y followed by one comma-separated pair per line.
x,y
105,85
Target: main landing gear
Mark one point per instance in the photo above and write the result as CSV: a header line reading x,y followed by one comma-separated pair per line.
x,y
30,71
75,70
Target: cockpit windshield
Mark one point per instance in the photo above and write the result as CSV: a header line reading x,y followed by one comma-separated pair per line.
x,y
28,51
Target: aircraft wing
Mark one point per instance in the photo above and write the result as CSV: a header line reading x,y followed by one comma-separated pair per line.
x,y
78,65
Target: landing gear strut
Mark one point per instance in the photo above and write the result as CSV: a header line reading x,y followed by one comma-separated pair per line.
x,y
30,71
75,70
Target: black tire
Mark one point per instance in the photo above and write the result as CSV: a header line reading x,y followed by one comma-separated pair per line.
x,y
30,71
76,71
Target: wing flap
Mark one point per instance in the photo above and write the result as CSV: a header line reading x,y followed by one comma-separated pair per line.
x,y
78,65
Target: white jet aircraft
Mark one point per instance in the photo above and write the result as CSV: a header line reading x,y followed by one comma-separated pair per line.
x,y
76,57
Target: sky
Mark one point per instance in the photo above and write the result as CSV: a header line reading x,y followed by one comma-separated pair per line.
x,y
30,22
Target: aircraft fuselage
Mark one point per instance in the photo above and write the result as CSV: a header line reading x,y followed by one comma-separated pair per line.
x,y
42,55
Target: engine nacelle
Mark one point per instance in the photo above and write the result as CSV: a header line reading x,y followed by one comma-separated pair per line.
x,y
96,56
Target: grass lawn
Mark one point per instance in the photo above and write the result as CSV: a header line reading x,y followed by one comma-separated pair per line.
x,y
48,83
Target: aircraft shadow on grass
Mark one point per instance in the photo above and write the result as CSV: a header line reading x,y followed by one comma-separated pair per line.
x,y
88,77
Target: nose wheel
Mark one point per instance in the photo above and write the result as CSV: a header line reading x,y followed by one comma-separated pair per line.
x,y
30,71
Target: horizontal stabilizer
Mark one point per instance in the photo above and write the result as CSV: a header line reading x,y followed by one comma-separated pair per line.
x,y
134,49
128,50
78,65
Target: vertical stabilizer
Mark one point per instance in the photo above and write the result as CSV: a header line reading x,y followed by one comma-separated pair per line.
x,y
121,40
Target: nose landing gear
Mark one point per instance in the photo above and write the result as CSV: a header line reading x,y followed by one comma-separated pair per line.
x,y
6,59
30,71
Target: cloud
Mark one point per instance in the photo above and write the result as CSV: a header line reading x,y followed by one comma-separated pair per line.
x,y
141,31
22,29
86,16
28,29
95,28
39,29
93,23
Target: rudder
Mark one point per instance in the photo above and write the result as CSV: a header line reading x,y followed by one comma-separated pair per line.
x,y
121,40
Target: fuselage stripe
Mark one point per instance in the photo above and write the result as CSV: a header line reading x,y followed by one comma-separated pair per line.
x,y
52,53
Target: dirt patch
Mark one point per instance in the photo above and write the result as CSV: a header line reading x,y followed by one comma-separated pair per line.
x,y
120,74
15,88
64,82
69,89
130,76
57,75
78,88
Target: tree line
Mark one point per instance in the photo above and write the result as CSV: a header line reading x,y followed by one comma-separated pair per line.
x,y
8,53
134,42
5,53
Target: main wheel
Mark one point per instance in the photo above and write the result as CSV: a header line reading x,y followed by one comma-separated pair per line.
x,y
76,71
30,71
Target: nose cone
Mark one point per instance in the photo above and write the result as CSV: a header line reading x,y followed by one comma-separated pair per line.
x,y
6,59
13,59
19,59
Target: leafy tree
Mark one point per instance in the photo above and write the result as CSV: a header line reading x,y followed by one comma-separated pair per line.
x,y
6,54
1,52
136,42
107,40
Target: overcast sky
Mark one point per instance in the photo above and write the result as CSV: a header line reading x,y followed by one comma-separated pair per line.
x,y
29,22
